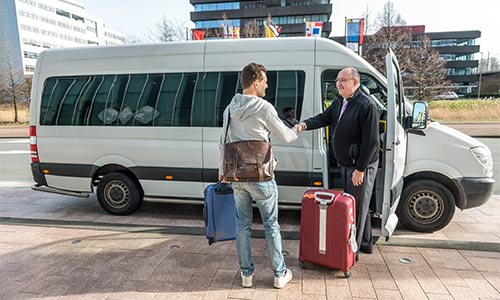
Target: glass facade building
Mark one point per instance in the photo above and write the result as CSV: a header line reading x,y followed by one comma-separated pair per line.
x,y
27,27
291,15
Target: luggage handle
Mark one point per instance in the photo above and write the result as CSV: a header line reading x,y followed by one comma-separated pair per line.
x,y
324,201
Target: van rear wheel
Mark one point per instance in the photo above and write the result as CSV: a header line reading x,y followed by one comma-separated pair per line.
x,y
426,206
118,194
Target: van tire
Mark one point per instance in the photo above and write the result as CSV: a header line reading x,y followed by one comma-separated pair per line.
x,y
426,206
118,194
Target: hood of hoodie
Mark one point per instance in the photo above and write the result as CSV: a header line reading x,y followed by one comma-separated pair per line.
x,y
244,106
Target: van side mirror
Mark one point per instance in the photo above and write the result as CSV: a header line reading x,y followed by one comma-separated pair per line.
x,y
420,115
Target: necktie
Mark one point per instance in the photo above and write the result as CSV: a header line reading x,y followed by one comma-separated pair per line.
x,y
344,106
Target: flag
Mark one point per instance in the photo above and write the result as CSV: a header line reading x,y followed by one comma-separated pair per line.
x,y
198,34
355,28
272,30
313,28
355,33
231,32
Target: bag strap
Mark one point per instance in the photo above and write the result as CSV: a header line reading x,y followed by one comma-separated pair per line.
x,y
227,127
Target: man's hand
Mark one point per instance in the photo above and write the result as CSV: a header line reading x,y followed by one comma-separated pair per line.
x,y
221,179
357,177
300,127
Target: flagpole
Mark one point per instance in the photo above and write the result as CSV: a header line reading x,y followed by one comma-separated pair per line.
x,y
345,30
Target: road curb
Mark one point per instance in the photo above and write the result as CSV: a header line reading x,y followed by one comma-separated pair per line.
x,y
256,233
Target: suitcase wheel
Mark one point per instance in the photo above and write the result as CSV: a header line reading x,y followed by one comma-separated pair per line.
x,y
347,274
302,264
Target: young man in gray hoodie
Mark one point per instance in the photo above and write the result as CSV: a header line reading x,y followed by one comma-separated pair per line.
x,y
253,118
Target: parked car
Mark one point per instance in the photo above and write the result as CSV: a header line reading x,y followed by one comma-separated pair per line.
x,y
446,96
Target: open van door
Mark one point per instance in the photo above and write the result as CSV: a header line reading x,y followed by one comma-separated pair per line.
x,y
395,146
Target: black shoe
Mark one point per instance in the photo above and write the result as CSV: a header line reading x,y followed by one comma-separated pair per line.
x,y
367,250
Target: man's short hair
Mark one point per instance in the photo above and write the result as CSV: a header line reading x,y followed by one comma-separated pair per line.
x,y
287,109
250,73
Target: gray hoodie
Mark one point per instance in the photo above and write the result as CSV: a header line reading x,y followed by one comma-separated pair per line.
x,y
252,118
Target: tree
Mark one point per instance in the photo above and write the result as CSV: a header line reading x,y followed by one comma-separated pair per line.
x,y
134,39
420,64
428,70
251,29
167,31
489,64
14,86
392,34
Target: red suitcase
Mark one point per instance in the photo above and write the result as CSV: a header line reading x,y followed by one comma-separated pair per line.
x,y
328,230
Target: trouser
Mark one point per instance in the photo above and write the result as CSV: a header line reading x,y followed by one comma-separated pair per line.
x,y
265,195
362,194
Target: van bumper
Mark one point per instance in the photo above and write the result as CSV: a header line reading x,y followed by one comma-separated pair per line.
x,y
475,191
38,176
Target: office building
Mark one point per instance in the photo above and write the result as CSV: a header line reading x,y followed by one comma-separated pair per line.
x,y
458,48
27,27
291,15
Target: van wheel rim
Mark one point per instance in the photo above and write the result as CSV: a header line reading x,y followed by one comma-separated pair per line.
x,y
426,207
117,194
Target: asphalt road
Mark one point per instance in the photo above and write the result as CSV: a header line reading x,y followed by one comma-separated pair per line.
x,y
15,160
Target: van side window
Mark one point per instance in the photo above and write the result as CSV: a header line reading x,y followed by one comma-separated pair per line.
x,y
184,100
160,99
54,92
289,91
169,92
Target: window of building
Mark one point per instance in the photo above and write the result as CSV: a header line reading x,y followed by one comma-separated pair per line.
x,y
63,13
79,29
64,25
47,20
78,18
65,37
46,7
31,42
29,28
49,33
28,14
49,45
217,23
217,6
160,99
80,41
30,2
28,54
29,68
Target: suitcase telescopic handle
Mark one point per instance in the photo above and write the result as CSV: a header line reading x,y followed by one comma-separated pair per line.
x,y
324,201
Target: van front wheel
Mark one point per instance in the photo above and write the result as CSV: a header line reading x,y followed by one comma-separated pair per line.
x,y
426,206
118,194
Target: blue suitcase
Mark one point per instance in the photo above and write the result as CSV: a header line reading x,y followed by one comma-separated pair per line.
x,y
219,213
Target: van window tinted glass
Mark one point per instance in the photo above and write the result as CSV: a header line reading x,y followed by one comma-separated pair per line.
x,y
159,99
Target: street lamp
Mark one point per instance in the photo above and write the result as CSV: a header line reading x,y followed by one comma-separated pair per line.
x,y
480,73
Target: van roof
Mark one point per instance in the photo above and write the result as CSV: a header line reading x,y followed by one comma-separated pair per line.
x,y
188,56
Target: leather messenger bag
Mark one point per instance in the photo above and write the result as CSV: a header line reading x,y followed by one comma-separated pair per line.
x,y
246,161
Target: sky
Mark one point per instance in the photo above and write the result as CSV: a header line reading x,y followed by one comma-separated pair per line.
x,y
137,18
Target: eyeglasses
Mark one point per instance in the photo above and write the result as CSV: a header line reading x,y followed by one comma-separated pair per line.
x,y
342,80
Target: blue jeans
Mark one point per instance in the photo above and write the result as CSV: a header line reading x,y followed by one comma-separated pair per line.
x,y
265,195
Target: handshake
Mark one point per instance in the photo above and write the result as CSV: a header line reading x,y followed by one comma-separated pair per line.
x,y
299,127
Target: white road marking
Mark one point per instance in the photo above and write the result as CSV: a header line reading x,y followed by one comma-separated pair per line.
x,y
15,152
17,141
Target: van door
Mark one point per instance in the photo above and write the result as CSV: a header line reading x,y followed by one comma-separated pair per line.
x,y
395,146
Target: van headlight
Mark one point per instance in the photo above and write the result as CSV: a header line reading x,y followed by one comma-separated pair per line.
x,y
483,155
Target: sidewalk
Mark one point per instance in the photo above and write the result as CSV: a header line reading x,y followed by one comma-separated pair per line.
x,y
59,263
472,129
60,247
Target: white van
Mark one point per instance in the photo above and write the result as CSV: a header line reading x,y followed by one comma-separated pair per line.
x,y
141,122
